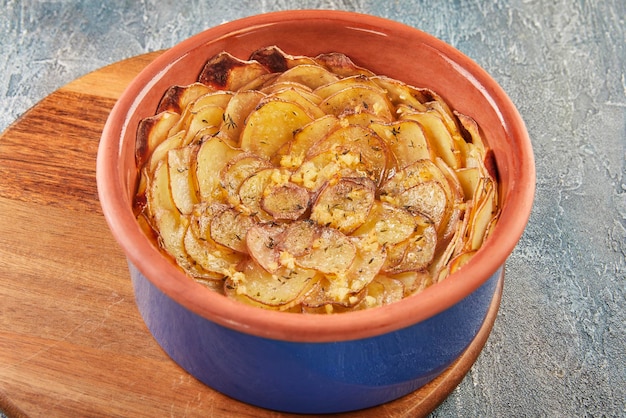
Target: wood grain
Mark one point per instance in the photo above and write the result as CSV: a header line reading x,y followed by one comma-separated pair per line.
x,y
72,342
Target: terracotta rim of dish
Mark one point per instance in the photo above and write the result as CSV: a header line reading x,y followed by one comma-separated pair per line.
x,y
299,327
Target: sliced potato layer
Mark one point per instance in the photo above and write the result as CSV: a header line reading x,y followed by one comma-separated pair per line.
x,y
311,184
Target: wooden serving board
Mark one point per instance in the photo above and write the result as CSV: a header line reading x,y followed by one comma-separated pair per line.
x,y
72,342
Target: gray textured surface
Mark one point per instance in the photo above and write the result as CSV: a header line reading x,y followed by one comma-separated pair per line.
x,y
557,348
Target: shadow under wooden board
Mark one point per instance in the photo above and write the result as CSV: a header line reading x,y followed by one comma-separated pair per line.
x,y
72,342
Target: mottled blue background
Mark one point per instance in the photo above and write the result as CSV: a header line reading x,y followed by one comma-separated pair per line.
x,y
557,348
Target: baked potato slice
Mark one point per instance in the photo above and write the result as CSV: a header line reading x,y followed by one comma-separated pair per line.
x,y
280,290
423,180
286,201
209,257
160,152
460,260
271,125
236,171
315,172
212,281
268,195
428,198
230,227
455,194
332,253
308,101
310,75
151,132
227,72
167,221
236,112
383,290
362,118
345,204
357,148
313,304
158,192
176,98
298,238
453,124
219,98
415,253
262,242
319,301
485,209
293,153
345,289
473,131
188,114
181,164
355,81
439,137
357,99
274,86
201,246
277,61
251,192
201,217
203,118
420,171
316,299
413,282
439,106
204,134
387,225
405,140
258,83
213,156
401,93
341,64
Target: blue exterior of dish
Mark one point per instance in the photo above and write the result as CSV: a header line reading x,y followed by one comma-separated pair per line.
x,y
301,377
